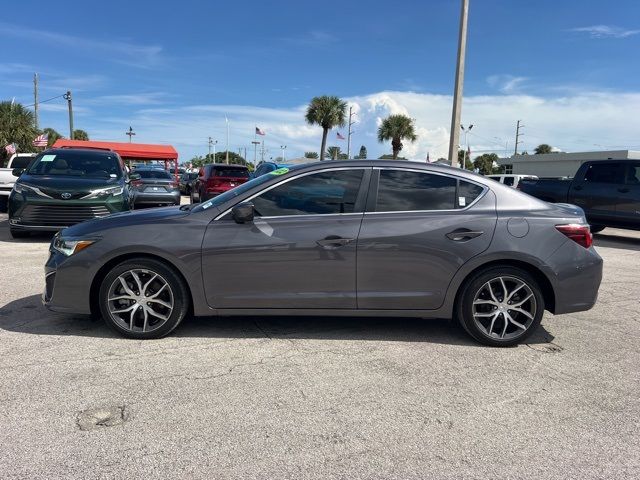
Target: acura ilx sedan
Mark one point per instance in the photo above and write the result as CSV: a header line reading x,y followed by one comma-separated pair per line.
x,y
360,238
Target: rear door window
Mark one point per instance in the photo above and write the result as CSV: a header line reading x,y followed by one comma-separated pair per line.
x,y
404,190
605,173
509,181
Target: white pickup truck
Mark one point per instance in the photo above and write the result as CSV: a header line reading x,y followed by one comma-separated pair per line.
x,y
17,160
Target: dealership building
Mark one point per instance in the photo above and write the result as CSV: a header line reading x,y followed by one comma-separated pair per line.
x,y
559,164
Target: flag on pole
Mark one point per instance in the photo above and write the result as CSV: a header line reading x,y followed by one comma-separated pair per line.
x,y
11,148
260,132
428,161
340,137
41,140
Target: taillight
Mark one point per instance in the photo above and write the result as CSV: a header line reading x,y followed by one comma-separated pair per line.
x,y
581,234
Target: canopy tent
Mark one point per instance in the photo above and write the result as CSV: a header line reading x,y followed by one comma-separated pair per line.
x,y
128,151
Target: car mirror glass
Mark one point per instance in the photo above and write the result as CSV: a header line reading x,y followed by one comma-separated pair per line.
x,y
243,213
16,172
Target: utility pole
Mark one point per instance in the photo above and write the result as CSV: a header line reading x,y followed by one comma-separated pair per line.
x,y
518,135
350,133
35,98
67,97
131,133
262,152
210,144
227,120
283,147
454,141
255,151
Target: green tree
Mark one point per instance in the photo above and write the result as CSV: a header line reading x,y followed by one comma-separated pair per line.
x,y
542,149
311,155
397,128
16,126
328,112
221,157
52,136
389,156
463,156
197,161
363,152
80,135
334,153
486,163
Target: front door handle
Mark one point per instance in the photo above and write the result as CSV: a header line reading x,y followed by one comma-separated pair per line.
x,y
334,241
463,234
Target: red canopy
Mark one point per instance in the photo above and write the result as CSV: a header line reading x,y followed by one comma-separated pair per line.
x,y
128,151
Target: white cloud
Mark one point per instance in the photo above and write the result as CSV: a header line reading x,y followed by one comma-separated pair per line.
x,y
606,31
572,123
506,83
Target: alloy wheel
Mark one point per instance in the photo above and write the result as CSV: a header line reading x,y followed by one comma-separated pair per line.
x,y
504,307
140,300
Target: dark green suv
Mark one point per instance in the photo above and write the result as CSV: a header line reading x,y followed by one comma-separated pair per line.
x,y
64,186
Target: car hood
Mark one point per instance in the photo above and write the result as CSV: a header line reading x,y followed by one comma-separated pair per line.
x,y
124,219
61,182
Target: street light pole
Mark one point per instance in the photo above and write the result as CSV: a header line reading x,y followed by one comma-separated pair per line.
x,y
457,93
466,141
255,151
227,120
282,147
67,97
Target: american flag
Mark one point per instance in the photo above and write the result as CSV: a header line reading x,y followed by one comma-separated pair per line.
x,y
339,135
41,140
11,148
260,132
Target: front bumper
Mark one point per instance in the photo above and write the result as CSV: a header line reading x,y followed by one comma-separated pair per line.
x,y
67,284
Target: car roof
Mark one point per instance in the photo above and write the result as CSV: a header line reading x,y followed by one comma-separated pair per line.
x,y
88,151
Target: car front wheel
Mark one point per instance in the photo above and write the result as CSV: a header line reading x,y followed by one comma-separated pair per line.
x,y
143,299
501,306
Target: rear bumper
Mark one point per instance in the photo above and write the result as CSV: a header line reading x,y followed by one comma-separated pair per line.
x,y
577,277
157,198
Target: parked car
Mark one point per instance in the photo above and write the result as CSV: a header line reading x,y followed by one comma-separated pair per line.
x,y
344,238
266,167
62,187
216,178
607,190
511,179
186,182
155,187
17,160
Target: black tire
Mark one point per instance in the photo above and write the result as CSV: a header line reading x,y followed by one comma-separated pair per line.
x,y
597,228
515,334
178,289
19,233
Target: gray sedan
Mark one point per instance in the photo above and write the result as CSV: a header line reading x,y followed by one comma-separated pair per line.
x,y
365,238
155,187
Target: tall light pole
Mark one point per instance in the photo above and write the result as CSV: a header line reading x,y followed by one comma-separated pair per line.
x,y
283,147
131,133
349,133
227,120
67,97
457,93
466,141
212,143
255,151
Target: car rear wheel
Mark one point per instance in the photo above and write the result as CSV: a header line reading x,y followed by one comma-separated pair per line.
x,y
501,306
143,299
18,233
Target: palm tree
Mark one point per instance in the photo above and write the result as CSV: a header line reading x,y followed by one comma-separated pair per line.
x,y
334,153
328,112
80,135
397,128
52,136
16,126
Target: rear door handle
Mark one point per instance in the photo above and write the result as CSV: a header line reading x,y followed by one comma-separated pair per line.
x,y
462,235
334,241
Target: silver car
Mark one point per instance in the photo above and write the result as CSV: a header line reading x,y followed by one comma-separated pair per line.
x,y
364,237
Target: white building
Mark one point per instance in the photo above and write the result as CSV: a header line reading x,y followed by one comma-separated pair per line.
x,y
559,164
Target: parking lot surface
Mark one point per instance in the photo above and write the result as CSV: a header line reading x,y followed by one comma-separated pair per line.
x,y
318,397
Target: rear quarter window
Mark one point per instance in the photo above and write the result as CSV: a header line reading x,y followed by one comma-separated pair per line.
x,y
467,193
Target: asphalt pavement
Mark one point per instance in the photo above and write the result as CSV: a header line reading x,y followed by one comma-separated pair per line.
x,y
312,398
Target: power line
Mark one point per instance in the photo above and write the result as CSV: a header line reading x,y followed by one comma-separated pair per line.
x,y
45,101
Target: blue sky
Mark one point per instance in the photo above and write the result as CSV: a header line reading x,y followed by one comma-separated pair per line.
x,y
174,70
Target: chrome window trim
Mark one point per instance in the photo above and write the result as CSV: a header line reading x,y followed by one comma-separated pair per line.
x,y
485,189
328,169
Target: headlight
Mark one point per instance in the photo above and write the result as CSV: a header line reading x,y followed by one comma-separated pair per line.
x,y
68,247
104,192
22,188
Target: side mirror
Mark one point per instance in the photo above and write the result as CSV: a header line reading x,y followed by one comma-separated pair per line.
x,y
134,176
243,213
16,172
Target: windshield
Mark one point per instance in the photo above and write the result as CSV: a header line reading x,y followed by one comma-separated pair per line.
x,y
231,172
239,190
70,163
